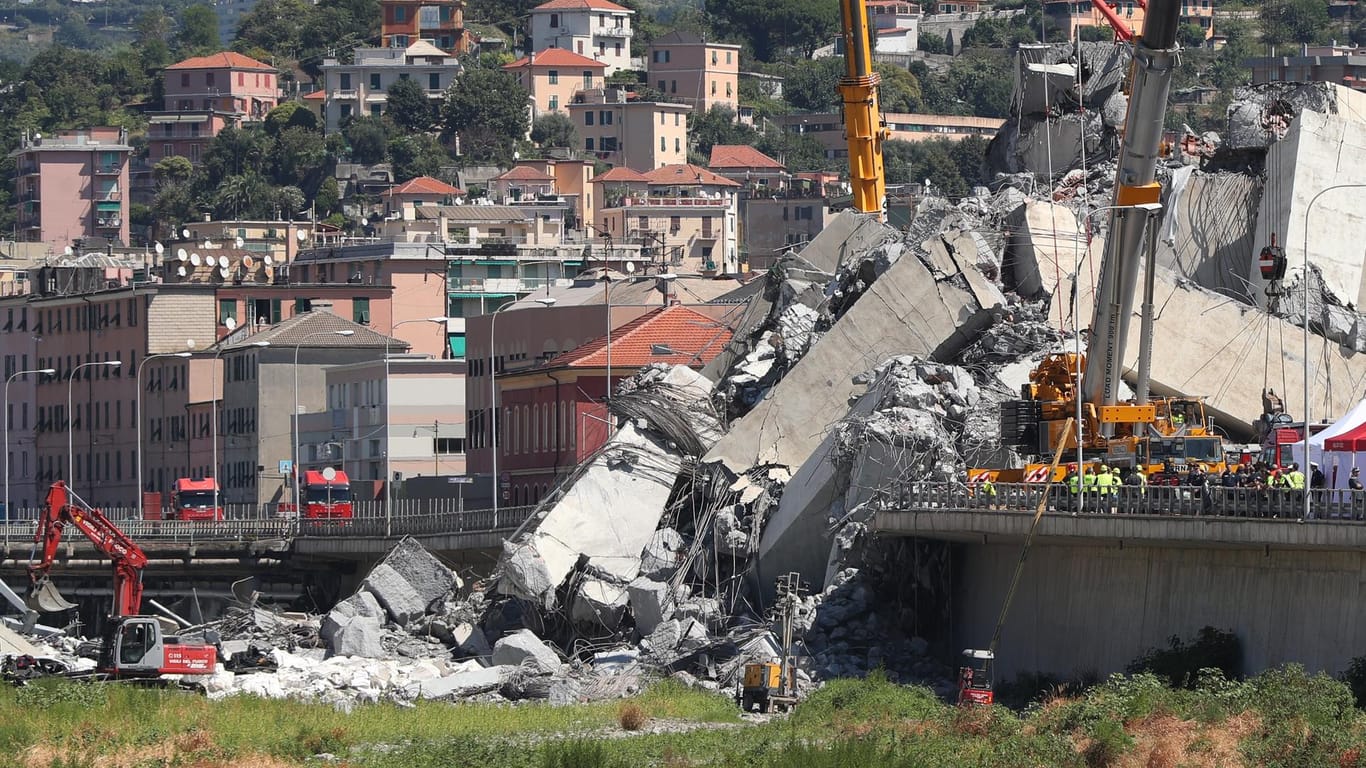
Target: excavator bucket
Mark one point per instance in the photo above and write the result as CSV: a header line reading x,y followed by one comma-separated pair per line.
x,y
45,598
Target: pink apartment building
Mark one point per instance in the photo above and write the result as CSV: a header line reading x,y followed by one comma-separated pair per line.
x,y
692,71
554,76
72,186
205,94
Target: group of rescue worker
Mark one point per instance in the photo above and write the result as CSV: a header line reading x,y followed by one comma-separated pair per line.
x,y
1101,487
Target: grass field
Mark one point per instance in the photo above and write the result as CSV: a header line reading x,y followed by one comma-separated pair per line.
x,y
1281,718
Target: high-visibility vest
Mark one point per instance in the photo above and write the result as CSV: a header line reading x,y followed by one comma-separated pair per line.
x,y
988,488
1074,483
1105,483
1089,480
1295,480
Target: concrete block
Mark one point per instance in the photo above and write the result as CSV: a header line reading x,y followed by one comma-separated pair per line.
x,y
358,636
524,648
1208,223
598,602
465,683
662,554
360,604
401,601
471,641
428,576
650,603
1045,244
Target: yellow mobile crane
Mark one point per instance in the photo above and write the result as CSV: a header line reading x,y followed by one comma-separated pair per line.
x,y
863,125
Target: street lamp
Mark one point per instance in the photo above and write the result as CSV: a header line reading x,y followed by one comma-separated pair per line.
x,y
545,301
71,417
4,414
1145,340
666,278
1305,279
388,447
213,417
295,468
137,382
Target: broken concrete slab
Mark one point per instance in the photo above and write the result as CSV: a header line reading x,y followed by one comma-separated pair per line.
x,y
1045,244
466,682
905,311
662,554
471,640
362,603
524,649
651,603
1208,226
607,516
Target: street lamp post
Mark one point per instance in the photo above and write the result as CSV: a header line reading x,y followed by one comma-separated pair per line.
x,y
1304,514
295,468
137,382
71,417
4,414
388,431
545,301
213,418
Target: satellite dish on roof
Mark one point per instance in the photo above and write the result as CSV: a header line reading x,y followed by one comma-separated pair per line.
x,y
180,271
223,272
238,242
630,267
181,255
302,235
248,262
207,244
210,260
184,234
229,322
329,474
194,259
270,262
159,248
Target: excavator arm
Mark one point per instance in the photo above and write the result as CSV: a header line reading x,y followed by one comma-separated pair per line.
x,y
62,509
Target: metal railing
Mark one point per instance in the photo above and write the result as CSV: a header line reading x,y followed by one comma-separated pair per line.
x,y
247,523
1195,501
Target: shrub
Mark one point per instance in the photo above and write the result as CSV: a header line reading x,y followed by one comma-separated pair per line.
x,y
1108,743
1355,678
576,754
631,717
1180,663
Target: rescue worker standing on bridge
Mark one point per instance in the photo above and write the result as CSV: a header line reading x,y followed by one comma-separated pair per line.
x,y
988,492
1355,492
1294,480
1073,481
1088,485
1105,488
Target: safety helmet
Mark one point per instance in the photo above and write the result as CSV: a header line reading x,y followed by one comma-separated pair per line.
x,y
1104,468
1071,467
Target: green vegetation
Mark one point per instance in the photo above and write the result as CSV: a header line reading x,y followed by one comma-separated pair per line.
x,y
1284,717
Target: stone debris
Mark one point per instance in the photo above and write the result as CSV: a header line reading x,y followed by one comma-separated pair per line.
x,y
524,649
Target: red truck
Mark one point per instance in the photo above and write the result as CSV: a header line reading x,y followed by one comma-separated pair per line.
x,y
326,495
197,500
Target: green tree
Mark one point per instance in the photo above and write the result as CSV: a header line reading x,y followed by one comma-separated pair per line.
x,y
716,126
416,155
1293,21
298,156
172,170
554,129
328,199
931,43
900,90
1191,36
368,138
487,107
771,26
409,107
244,196
198,31
810,84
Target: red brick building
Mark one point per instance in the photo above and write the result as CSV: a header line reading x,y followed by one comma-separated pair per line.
x,y
552,417
441,22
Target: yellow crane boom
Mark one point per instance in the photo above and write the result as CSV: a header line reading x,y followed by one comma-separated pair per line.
x,y
863,126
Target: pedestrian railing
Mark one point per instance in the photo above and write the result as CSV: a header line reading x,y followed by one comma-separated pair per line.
x,y
1218,501
263,528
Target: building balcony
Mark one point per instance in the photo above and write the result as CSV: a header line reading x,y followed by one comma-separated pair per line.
x,y
674,202
619,31
108,170
348,94
112,196
28,169
498,285
110,222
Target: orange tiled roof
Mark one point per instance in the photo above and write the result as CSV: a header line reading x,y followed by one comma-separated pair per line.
x,y
696,337
740,156
596,5
523,173
424,185
621,174
222,60
687,173
315,96
555,57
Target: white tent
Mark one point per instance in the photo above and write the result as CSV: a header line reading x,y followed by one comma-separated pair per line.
x,y
1351,420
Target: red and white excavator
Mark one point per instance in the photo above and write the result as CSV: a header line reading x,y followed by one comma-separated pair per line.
x,y
134,645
